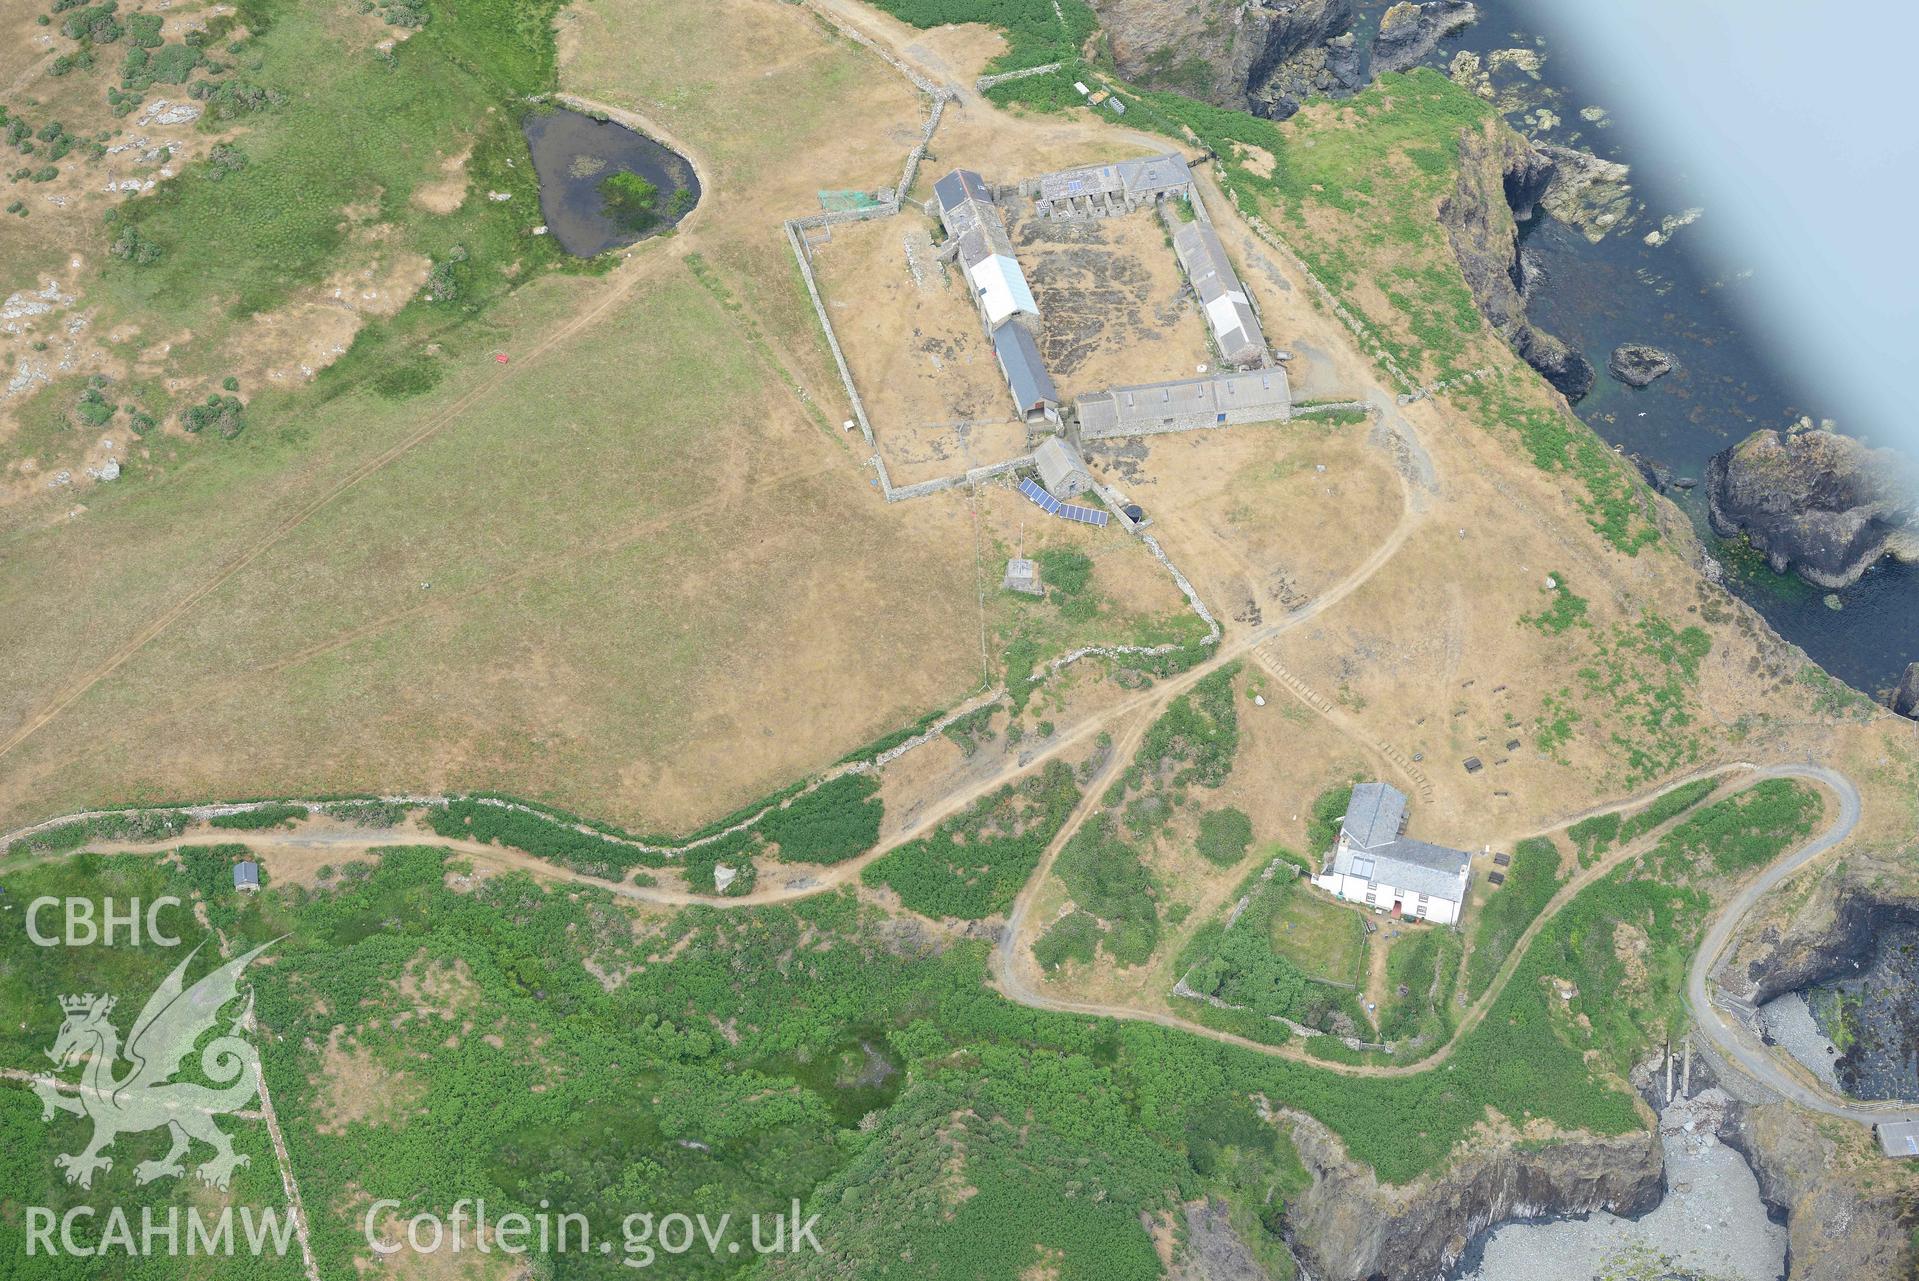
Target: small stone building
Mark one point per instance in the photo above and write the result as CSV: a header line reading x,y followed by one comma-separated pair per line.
x,y
1019,360
1106,191
246,875
1061,470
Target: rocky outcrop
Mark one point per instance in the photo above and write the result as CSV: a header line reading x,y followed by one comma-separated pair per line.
x,y
1349,1227
1905,695
1269,56
1587,192
1262,56
1638,365
1816,502
1499,170
1408,33
1836,1230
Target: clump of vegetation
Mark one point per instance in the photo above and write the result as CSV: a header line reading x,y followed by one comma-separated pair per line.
x,y
134,247
973,865
443,279
225,414
1530,884
1068,573
382,814
129,825
1322,824
224,159
1106,878
1567,610
630,201
94,409
838,820
540,836
1073,937
260,817
1224,836
968,731
1193,743
1742,832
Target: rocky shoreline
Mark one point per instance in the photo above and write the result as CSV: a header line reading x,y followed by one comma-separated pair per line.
x,y
1350,1227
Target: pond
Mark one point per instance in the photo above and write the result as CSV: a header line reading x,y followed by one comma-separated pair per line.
x,y
575,156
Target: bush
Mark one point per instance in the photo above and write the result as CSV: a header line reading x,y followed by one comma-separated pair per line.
x,y
835,821
224,413
128,825
1224,836
260,817
630,201
1073,937
131,246
540,836
1106,877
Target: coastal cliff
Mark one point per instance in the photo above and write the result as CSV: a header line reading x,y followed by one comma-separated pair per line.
x,y
1349,1227
1500,173
1816,502
1849,1214
1267,57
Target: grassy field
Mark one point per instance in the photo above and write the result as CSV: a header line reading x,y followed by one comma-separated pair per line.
x,y
576,576
1322,938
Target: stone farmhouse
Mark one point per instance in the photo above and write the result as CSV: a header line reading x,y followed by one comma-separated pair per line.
x,y
1374,864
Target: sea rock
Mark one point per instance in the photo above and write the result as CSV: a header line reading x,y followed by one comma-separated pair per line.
x,y
1637,364
1587,192
1905,695
1499,170
1409,32
1816,502
1348,1226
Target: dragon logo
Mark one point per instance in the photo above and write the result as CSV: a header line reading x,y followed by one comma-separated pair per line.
x,y
143,1097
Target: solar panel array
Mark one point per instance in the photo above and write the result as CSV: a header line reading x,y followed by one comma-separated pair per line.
x,y
1054,507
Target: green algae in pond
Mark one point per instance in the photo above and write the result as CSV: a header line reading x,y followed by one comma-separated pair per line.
x,y
602,185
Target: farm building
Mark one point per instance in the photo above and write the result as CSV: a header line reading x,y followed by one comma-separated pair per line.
x,y
1061,469
1026,376
1103,191
246,875
1374,864
977,231
1229,312
1256,396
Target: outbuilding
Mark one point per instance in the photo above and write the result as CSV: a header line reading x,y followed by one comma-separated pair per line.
x,y
1061,470
1229,311
1019,360
246,875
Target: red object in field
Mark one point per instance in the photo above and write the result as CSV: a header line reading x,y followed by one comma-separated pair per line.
x,y
500,356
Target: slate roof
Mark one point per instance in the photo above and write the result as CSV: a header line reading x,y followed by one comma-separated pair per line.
x,y
1154,174
1228,311
1372,849
246,875
1374,816
1059,463
1025,372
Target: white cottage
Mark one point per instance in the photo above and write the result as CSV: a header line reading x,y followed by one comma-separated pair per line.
x,y
1375,865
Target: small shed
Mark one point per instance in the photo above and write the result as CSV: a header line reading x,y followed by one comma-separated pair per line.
x,y
1899,1138
1022,575
1061,469
246,875
1501,860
